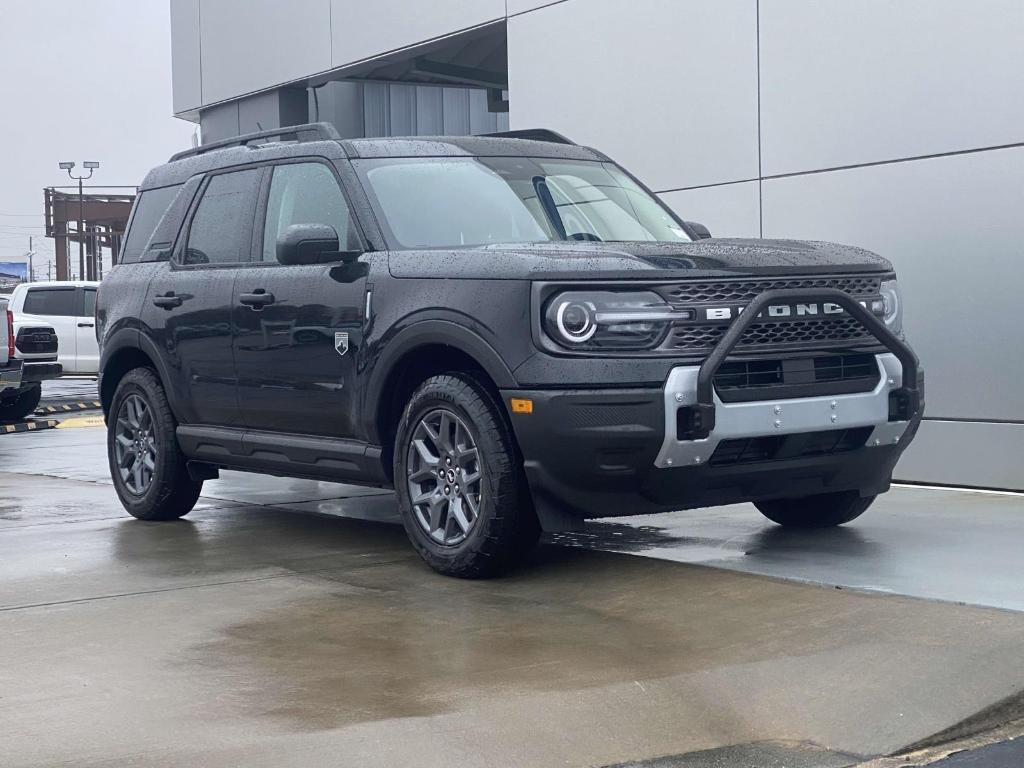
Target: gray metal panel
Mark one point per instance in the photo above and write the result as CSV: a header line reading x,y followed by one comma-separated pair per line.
x,y
220,122
852,82
670,92
403,109
429,111
456,111
376,110
953,227
480,120
186,75
341,103
729,210
364,29
965,453
249,45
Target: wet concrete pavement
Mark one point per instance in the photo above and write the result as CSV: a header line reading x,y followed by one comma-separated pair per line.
x,y
271,628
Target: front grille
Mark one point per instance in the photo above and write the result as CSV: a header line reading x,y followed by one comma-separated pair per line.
x,y
821,332
32,341
749,450
739,380
708,291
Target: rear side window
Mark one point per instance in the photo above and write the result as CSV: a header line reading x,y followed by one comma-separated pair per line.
x,y
221,230
149,210
54,302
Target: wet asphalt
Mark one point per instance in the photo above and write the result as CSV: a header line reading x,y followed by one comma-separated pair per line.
x,y
287,622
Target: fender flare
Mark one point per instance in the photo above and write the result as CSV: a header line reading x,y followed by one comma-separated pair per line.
x,y
133,339
423,333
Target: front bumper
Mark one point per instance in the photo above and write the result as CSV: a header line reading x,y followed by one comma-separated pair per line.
x,y
608,453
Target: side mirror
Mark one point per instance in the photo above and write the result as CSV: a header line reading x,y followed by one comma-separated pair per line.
x,y
311,244
702,232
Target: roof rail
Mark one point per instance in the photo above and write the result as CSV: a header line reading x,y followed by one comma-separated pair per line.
x,y
297,133
533,134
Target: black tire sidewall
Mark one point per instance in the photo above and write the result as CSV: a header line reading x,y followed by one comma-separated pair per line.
x,y
144,384
423,403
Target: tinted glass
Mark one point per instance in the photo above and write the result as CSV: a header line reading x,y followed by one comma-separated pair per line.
x,y
446,202
149,209
306,193
89,302
221,229
58,302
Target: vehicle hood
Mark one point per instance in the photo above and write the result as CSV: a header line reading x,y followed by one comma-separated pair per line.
x,y
640,260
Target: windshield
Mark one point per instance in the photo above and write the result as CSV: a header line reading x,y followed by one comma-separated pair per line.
x,y
466,201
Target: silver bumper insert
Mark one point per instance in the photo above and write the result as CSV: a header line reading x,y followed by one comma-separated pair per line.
x,y
780,417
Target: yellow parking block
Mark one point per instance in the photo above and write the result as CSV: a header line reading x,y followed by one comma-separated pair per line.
x,y
83,421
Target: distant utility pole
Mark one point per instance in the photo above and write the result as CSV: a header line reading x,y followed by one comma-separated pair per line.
x,y
30,254
90,166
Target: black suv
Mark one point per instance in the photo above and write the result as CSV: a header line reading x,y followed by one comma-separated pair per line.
x,y
510,330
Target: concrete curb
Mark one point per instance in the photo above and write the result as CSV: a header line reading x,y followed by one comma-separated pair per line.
x,y
81,405
28,426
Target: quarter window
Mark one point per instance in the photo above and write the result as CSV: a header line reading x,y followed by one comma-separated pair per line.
x,y
222,226
306,193
149,209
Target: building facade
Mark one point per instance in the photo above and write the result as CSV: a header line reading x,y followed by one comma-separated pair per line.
x,y
896,126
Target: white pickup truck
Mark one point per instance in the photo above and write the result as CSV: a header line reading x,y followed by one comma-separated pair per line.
x,y
26,360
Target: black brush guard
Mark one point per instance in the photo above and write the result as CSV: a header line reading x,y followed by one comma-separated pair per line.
x,y
700,417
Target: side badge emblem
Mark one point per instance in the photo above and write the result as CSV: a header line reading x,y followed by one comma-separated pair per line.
x,y
341,342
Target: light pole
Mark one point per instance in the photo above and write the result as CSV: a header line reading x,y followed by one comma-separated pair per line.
x,y
90,166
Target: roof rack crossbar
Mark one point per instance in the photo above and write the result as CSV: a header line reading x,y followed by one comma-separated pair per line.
x,y
534,134
301,133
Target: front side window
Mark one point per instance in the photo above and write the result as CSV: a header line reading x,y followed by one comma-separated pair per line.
x,y
306,193
221,231
51,302
446,202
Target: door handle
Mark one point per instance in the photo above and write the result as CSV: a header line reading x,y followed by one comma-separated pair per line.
x,y
257,299
167,301
86,325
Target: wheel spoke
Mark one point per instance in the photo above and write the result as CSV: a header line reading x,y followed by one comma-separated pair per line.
x,y
448,425
426,456
459,514
474,507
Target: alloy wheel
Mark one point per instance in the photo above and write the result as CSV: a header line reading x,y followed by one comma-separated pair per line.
x,y
443,473
135,444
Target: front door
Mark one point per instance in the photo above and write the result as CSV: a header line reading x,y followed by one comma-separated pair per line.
x,y
298,327
188,307
86,347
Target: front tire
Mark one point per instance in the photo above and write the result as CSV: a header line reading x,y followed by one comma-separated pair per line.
x,y
147,466
21,406
461,489
825,510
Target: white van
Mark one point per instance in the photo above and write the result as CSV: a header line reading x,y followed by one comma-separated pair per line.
x,y
69,307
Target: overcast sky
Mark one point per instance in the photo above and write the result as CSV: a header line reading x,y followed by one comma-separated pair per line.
x,y
79,80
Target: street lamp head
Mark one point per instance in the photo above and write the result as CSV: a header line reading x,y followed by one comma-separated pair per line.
x,y
66,166
90,165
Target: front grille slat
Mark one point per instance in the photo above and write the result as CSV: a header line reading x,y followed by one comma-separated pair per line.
x,y
816,331
738,380
709,292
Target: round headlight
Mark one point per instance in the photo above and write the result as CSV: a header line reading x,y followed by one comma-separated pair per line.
x,y
575,321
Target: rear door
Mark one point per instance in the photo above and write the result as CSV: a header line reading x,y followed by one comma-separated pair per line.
x,y
56,306
295,356
188,309
87,350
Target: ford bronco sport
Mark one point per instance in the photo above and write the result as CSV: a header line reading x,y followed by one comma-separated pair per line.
x,y
511,331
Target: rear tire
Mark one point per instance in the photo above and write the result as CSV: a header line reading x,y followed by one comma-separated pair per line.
x,y
21,406
825,510
461,489
147,466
